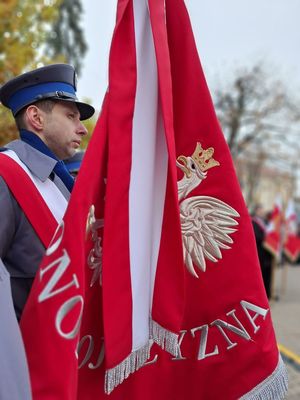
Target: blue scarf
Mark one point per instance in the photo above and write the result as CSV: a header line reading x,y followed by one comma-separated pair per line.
x,y
60,168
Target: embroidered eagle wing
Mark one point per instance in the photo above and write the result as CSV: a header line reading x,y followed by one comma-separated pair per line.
x,y
206,225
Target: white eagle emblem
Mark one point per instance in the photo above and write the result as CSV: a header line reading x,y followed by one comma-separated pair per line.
x,y
206,222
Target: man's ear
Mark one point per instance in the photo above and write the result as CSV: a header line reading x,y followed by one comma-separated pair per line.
x,y
34,118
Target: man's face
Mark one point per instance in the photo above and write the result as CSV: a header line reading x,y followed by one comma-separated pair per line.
x,y
63,130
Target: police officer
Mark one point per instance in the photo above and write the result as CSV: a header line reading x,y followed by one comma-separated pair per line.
x,y
48,116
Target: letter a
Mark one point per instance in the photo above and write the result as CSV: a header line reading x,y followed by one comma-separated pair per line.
x,y
258,311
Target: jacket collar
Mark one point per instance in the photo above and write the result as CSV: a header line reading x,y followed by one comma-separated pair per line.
x,y
38,163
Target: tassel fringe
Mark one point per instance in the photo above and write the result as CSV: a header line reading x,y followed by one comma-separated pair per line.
x,y
115,376
165,339
273,388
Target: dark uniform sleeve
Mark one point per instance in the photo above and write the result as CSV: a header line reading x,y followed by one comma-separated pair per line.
x,y
7,219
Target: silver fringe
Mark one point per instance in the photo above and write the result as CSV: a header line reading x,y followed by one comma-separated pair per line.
x,y
165,339
275,387
115,376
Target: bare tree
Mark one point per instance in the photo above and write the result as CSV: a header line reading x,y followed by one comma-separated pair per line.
x,y
67,37
260,122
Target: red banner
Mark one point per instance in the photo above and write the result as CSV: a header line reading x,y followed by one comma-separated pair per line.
x,y
155,261
273,238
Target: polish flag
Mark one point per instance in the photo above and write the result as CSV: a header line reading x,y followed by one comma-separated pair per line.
x,y
273,238
291,246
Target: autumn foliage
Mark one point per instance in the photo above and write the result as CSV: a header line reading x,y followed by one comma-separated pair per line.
x,y
25,26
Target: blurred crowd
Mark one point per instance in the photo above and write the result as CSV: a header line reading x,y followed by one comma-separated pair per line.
x,y
277,239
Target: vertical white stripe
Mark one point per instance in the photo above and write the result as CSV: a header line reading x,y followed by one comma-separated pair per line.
x,y
148,177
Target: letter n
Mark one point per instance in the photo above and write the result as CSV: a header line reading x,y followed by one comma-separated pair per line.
x,y
60,265
238,330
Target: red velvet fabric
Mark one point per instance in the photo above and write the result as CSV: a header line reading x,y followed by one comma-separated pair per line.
x,y
209,368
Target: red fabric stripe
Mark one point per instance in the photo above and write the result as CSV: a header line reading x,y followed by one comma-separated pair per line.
x,y
117,312
170,272
237,275
29,199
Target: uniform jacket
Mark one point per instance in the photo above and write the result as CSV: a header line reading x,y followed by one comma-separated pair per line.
x,y
14,376
20,249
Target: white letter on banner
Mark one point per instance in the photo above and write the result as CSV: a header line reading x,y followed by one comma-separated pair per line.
x,y
62,264
89,351
258,311
54,246
241,331
179,355
155,358
99,360
63,311
203,342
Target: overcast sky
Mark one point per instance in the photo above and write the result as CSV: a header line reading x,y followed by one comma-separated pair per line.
x,y
229,34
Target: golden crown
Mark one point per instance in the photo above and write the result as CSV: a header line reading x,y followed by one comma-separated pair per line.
x,y
203,158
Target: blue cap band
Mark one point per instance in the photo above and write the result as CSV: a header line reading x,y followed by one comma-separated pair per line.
x,y
72,165
31,94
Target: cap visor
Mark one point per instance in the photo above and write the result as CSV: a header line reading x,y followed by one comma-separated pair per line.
x,y
85,110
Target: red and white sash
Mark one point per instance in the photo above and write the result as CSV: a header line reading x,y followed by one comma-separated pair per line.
x,y
42,202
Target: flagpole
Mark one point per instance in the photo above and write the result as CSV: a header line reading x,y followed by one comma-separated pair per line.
x,y
284,275
282,262
273,288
